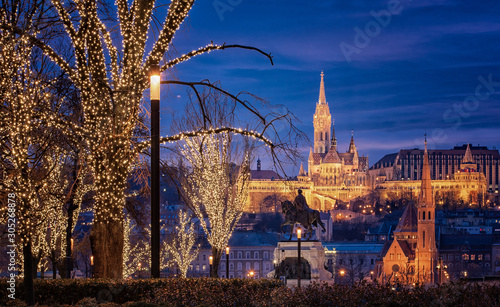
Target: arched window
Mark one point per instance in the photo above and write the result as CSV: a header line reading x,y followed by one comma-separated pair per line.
x,y
423,215
266,255
326,136
240,255
248,255
256,266
248,266
429,215
423,239
321,136
231,266
256,255
239,266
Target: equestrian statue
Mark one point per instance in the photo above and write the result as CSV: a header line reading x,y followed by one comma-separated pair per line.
x,y
299,212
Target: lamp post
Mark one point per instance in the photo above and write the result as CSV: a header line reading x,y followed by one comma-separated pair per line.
x,y
227,262
210,261
155,170
139,270
92,266
299,270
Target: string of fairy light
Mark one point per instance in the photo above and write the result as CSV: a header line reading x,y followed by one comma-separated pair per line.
x,y
183,247
210,189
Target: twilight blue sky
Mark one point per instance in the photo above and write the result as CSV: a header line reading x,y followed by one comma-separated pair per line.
x,y
435,66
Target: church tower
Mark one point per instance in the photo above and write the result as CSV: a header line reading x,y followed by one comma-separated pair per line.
x,y
322,122
426,252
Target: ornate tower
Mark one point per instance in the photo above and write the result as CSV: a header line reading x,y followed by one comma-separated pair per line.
x,y
426,252
322,122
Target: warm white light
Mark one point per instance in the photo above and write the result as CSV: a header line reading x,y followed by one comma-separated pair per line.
x,y
155,82
211,260
299,233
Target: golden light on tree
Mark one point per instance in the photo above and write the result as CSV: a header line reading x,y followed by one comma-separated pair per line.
x,y
214,188
183,247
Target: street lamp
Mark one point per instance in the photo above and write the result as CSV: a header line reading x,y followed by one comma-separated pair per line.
x,y
155,170
139,270
371,274
342,273
299,271
250,274
227,262
92,266
210,261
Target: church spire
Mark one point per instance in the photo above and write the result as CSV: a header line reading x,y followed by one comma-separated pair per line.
x,y
426,198
352,146
322,97
301,171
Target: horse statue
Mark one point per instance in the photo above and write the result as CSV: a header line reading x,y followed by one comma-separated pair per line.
x,y
306,218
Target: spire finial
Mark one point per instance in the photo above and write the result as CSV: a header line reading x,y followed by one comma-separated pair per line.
x,y
322,97
425,136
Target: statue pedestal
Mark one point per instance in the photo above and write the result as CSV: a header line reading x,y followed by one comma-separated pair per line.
x,y
313,262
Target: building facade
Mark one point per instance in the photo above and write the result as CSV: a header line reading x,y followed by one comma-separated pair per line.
x,y
331,176
444,165
412,255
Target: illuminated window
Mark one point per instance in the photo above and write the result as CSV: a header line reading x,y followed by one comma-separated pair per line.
x,y
465,256
479,257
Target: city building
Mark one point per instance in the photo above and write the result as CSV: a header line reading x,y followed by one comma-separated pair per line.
x,y
445,164
412,255
332,175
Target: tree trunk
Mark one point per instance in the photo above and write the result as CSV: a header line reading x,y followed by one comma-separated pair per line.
x,y
217,254
29,291
106,240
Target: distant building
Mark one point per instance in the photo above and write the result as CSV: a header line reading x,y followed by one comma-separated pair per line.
x,y
412,255
444,165
248,252
332,175
352,261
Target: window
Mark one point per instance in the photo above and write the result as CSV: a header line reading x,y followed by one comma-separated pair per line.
x,y
429,215
266,255
256,266
487,257
240,266
231,255
204,267
423,238
372,261
256,255
450,257
465,256
392,256
248,255
423,215
204,257
197,268
480,257
399,256
472,257
231,267
240,254
248,266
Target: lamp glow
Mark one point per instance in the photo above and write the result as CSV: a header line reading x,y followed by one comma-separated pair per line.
x,y
155,82
299,233
211,260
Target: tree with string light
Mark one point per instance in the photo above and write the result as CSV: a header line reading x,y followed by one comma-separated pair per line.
x,y
110,71
182,247
214,188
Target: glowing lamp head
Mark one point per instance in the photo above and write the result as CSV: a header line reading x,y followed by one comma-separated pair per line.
x,y
342,272
299,233
210,260
91,260
155,82
227,250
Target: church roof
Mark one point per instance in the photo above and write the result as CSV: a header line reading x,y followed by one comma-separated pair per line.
x,y
407,250
352,146
408,221
332,156
317,157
